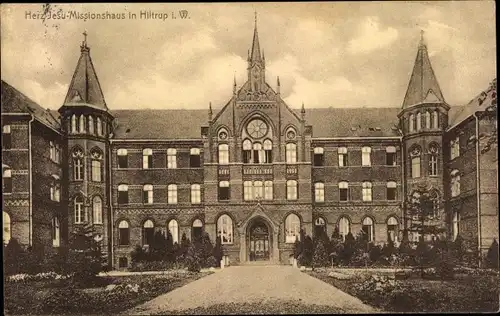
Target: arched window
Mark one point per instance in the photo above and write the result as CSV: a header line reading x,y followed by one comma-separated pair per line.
x,y
224,192
123,194
197,230
291,190
223,154
455,148
268,151
247,190
455,183
123,233
366,156
318,159
292,228
247,151
56,232
319,226
147,194
258,190
173,228
368,228
343,191
171,158
391,190
97,209
433,160
148,232
411,123
427,119
6,228
419,121
455,224
80,214
319,192
122,158
91,125
258,153
194,158
415,162
172,194
78,166
147,158
344,227
225,229
392,229
435,119
291,153
195,194
99,126
82,123
268,190
7,180
74,128
96,165
367,191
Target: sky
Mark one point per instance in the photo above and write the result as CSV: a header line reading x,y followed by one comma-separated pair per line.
x,y
337,54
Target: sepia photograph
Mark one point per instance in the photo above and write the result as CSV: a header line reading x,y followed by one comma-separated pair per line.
x,y
249,158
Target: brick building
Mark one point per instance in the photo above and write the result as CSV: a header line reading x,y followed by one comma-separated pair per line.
x,y
253,171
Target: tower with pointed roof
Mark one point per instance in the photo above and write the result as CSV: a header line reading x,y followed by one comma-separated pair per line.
x,y
256,64
87,125
423,119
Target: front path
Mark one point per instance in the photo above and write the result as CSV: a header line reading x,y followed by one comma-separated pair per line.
x,y
253,284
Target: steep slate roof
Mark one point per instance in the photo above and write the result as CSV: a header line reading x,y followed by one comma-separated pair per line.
x,y
326,122
423,86
85,88
13,101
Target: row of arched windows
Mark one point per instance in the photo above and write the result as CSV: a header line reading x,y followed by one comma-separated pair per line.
x,y
344,193
257,152
80,211
423,120
319,160
83,124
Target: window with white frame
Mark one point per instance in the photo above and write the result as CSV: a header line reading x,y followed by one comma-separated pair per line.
x,y
247,190
97,209
419,121
194,158
147,194
368,228
411,123
435,119
258,153
433,160
366,156
367,191
147,158
55,152
427,119
292,228
224,193
343,191
172,193
415,162
56,232
74,127
319,192
344,227
258,190
6,227
391,190
96,165
82,124
392,229
318,156
268,151
291,190
99,126
247,151
342,156
78,166
6,137
55,188
225,229
91,125
80,214
123,233
455,148
268,190
7,180
148,232
455,183
390,156
195,194
223,154
173,228
122,158
291,153
171,158
123,194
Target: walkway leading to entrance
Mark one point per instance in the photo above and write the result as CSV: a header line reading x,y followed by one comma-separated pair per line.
x,y
245,284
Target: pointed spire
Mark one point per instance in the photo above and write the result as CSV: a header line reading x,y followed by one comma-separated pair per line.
x,y
255,44
278,85
423,86
210,111
84,88
234,85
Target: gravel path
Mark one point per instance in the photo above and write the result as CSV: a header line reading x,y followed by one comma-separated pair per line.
x,y
253,284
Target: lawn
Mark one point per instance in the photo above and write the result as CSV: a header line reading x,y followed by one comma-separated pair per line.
x,y
107,295
466,293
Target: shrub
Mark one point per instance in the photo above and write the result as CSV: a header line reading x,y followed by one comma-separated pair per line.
x,y
320,256
192,259
212,262
305,258
11,259
336,247
206,250
492,256
297,248
218,252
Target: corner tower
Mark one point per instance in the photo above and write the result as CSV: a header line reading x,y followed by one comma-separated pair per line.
x,y
86,123
423,119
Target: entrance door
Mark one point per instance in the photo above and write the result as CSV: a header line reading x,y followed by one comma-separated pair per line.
x,y
259,242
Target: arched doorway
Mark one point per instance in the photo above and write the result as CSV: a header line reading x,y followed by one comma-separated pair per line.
x,y
259,241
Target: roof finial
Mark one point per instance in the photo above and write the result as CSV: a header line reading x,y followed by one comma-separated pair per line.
x,y
255,12
210,110
303,110
278,84
421,38
234,84
85,38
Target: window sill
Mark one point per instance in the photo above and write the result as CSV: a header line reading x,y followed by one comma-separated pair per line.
x,y
7,193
